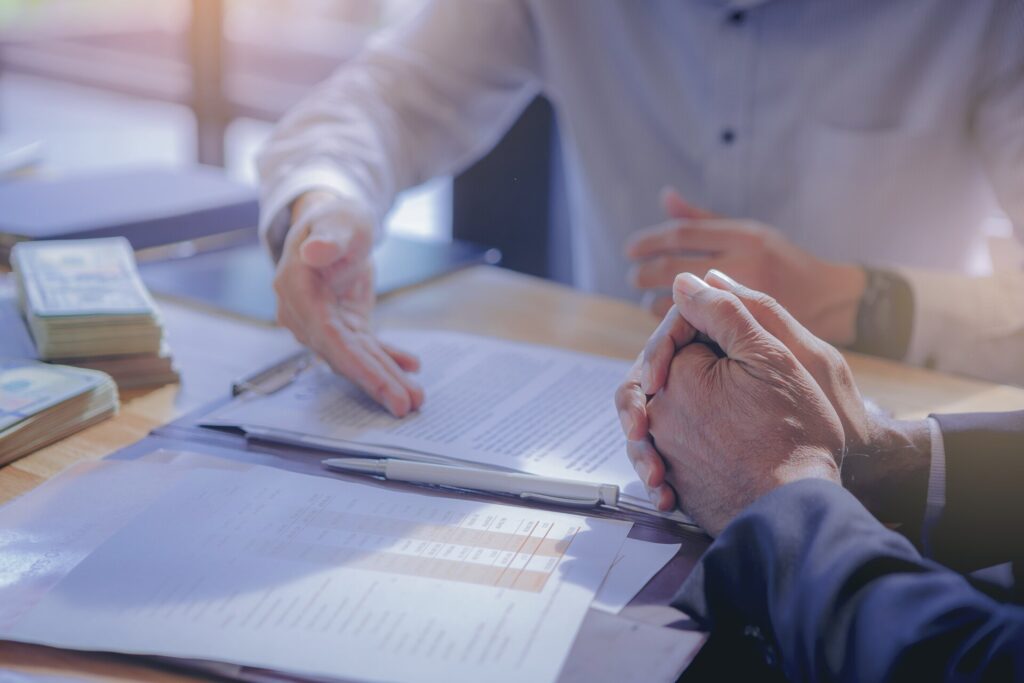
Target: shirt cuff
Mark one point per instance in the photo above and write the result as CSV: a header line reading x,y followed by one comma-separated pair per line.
x,y
275,208
954,313
936,500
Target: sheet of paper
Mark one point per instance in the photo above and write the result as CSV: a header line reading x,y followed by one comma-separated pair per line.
x,y
637,563
608,648
49,531
529,408
326,578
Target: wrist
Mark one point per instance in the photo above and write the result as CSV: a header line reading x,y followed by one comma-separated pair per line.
x,y
890,475
309,200
842,286
331,214
808,462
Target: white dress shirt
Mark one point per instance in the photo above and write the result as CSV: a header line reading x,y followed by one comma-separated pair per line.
x,y
868,131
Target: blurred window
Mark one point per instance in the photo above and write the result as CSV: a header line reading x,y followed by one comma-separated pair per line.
x,y
111,82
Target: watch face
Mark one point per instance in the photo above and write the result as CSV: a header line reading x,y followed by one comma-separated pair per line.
x,y
885,315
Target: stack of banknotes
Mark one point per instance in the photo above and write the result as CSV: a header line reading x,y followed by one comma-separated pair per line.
x,y
86,305
42,403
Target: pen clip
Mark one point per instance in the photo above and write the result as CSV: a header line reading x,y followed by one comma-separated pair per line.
x,y
559,500
274,378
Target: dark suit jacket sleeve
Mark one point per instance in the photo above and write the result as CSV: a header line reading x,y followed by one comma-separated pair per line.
x,y
982,523
834,595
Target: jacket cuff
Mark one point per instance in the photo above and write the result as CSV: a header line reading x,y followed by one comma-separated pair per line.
x,y
768,575
752,542
984,454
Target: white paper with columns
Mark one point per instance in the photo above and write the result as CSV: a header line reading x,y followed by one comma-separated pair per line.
x,y
327,578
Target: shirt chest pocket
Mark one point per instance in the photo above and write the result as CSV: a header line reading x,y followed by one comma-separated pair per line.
x,y
879,196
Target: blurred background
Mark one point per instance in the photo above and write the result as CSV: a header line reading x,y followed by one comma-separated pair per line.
x,y
109,83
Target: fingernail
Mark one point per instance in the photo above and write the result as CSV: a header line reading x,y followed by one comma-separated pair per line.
x,y
719,275
689,284
655,496
643,470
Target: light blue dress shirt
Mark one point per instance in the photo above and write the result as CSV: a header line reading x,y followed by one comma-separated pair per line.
x,y
879,132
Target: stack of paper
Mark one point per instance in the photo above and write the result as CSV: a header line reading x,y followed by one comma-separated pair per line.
x,y
296,573
489,402
86,305
41,403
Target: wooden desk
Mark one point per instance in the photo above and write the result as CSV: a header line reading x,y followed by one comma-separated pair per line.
x,y
482,300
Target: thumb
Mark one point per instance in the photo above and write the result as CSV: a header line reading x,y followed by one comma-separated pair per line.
x,y
335,238
721,316
677,207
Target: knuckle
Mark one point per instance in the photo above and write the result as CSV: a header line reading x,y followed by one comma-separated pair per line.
x,y
675,234
826,354
837,365
280,286
766,302
722,304
832,355
665,268
755,238
820,368
378,387
622,396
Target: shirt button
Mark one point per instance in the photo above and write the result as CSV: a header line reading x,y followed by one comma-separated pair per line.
x,y
751,631
737,17
727,136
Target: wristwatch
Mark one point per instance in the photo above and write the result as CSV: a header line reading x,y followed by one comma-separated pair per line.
x,y
885,315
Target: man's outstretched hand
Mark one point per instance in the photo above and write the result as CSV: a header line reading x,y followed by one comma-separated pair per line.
x,y
324,286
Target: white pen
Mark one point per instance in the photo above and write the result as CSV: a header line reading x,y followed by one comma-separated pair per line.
x,y
526,486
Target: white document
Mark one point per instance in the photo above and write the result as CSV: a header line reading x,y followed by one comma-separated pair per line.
x,y
637,563
521,407
320,577
46,533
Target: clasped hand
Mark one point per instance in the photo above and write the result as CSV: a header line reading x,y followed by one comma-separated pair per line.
x,y
721,429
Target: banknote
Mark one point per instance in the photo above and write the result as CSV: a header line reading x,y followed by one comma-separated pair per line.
x,y
84,298
81,277
28,388
41,404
